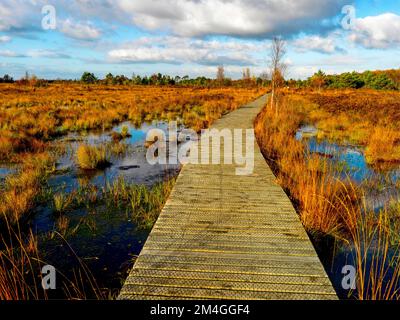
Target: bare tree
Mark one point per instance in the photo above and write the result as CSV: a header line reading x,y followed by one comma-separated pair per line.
x,y
220,74
264,75
246,74
277,67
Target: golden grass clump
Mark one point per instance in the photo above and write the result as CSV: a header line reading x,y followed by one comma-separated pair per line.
x,y
61,202
22,188
383,146
91,157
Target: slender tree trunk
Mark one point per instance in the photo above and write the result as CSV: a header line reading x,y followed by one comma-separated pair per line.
x,y
272,96
277,68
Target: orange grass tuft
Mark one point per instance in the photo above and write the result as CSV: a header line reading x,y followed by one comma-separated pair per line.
x,y
308,178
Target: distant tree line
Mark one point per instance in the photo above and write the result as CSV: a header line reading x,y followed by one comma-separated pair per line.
x,y
159,79
378,80
6,79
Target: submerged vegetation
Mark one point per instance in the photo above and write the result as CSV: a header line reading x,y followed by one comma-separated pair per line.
x,y
21,259
140,203
143,204
118,136
330,204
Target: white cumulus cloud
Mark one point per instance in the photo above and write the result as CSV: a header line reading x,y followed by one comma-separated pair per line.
x,y
80,30
318,44
379,32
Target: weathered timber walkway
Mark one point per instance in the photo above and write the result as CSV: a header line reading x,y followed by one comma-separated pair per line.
x,y
224,236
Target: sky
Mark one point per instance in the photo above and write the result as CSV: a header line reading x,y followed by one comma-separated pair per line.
x,y
64,38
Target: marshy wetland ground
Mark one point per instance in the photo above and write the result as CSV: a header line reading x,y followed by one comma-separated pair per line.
x,y
76,190
336,153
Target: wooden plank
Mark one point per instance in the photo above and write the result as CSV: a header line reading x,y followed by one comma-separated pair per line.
x,y
224,236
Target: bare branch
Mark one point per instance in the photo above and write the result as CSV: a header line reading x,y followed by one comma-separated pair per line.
x,y
277,66
220,74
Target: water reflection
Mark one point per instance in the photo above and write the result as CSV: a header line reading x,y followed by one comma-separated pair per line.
x,y
379,184
106,240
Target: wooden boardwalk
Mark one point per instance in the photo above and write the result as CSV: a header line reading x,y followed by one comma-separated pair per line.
x,y
224,236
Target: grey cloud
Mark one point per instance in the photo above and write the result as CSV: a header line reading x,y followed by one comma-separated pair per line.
x,y
191,18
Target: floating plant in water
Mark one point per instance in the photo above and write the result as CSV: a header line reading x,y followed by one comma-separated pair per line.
x,y
118,136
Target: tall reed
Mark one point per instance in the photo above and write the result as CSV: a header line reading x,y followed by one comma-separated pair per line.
x,y
328,205
21,265
308,178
